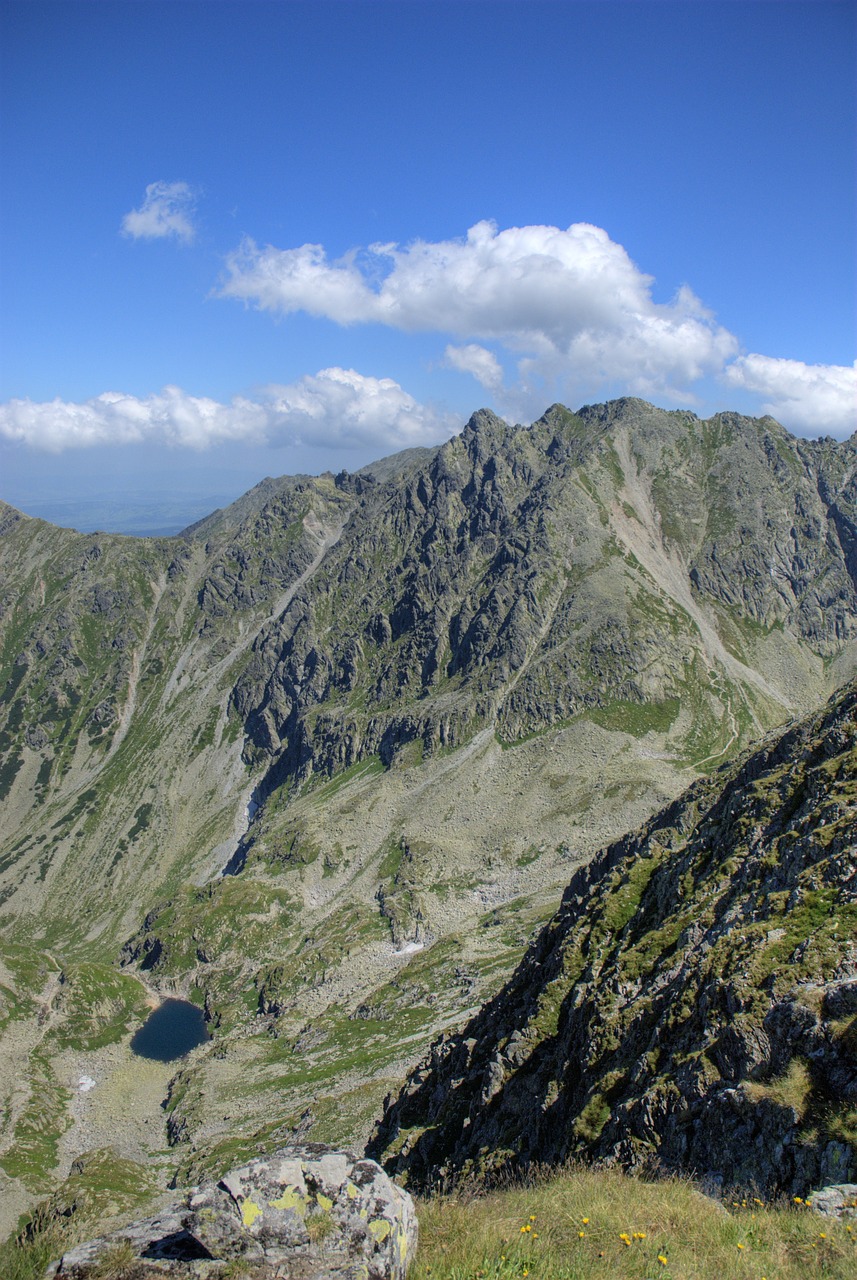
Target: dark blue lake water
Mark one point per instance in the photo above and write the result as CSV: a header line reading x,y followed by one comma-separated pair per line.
x,y
170,1031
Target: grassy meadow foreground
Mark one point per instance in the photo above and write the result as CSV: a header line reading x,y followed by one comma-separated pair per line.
x,y
601,1225
579,1224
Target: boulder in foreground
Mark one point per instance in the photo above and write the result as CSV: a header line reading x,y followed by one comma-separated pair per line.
x,y
303,1213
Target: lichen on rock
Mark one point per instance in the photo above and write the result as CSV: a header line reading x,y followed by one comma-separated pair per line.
x,y
308,1212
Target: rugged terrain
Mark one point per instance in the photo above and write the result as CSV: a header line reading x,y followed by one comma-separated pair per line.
x,y
693,1004
396,709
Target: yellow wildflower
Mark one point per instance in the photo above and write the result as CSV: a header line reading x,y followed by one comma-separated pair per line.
x,y
662,1259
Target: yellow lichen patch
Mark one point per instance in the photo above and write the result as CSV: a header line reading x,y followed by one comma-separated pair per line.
x,y
290,1199
324,1202
380,1229
250,1211
351,1191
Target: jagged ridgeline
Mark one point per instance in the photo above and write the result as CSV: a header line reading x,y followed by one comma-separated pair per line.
x,y
398,707
693,1004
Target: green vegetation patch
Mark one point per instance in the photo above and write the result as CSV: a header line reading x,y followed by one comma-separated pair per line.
x,y
98,1005
33,1153
637,718
101,1186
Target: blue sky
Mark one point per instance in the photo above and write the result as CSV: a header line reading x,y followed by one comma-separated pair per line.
x,y
243,239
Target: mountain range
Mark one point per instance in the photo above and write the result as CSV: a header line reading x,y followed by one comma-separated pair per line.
x,y
328,759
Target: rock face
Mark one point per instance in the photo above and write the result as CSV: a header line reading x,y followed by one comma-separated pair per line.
x,y
306,1213
693,1004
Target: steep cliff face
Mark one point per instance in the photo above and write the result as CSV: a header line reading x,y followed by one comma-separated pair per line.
x,y
693,1003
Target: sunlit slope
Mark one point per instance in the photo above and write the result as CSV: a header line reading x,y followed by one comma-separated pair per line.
x,y
121,768
526,575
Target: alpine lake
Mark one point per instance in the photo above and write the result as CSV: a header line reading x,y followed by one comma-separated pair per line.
x,y
170,1031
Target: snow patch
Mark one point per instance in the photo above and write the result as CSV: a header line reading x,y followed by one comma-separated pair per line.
x,y
409,948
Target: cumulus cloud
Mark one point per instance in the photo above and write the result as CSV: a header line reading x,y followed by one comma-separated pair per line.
x,y
568,302
476,360
342,407
330,408
169,417
167,210
809,398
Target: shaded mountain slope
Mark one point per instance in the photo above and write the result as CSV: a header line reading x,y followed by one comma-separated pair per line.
x,y
693,1003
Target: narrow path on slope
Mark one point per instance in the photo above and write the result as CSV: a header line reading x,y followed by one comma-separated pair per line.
x,y
734,730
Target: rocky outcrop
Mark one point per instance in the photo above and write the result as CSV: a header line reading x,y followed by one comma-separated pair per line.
x,y
309,1213
839,1202
693,1005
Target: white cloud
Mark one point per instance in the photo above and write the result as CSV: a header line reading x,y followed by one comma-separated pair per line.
x,y
330,408
478,361
342,407
571,303
808,398
166,211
